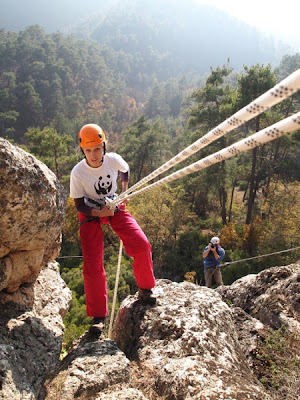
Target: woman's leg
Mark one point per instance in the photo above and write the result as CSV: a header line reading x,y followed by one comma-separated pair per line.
x,y
91,237
137,246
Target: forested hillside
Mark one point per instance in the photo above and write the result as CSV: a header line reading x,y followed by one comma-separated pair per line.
x,y
172,37
53,16
51,84
161,38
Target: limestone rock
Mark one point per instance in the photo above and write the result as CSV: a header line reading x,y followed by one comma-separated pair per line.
x,y
91,367
272,296
33,205
249,331
188,344
31,331
123,393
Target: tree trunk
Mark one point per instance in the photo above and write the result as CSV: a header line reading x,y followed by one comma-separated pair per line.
x,y
251,187
223,194
253,182
231,200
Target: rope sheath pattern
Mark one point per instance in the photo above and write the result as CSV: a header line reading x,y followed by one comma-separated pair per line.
x,y
115,291
264,136
278,93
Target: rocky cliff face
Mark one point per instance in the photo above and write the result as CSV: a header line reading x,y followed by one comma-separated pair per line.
x,y
190,345
33,297
31,332
32,210
195,343
272,297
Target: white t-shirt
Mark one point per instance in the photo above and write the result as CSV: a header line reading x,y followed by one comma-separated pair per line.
x,y
96,183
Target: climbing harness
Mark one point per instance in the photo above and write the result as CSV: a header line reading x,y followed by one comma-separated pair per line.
x,y
90,218
106,202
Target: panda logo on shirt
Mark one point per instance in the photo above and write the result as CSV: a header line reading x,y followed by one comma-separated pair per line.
x,y
104,185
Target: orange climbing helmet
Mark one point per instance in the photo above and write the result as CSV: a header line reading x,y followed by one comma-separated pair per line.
x,y
90,135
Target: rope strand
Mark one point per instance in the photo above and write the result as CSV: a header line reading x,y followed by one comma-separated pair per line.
x,y
283,90
115,291
227,263
286,88
263,255
266,135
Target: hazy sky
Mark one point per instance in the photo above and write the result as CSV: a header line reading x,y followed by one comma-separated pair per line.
x,y
277,18
280,19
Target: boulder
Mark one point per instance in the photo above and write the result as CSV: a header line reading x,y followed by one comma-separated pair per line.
x,y
188,344
195,343
94,365
31,333
271,296
32,205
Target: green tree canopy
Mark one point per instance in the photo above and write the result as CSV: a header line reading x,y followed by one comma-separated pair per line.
x,y
52,148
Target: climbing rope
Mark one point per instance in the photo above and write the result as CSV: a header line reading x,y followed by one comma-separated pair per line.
x,y
263,255
115,291
266,135
227,263
69,257
278,93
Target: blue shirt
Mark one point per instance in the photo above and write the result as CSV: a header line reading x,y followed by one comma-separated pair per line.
x,y
210,261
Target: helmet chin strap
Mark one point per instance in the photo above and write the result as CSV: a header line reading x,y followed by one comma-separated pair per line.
x,y
104,151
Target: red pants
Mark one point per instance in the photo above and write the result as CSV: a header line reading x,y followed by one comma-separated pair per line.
x,y
136,245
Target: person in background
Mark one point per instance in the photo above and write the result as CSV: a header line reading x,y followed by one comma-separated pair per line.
x,y
93,180
213,254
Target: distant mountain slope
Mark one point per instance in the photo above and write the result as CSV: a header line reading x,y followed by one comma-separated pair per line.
x,y
169,36
52,15
193,36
